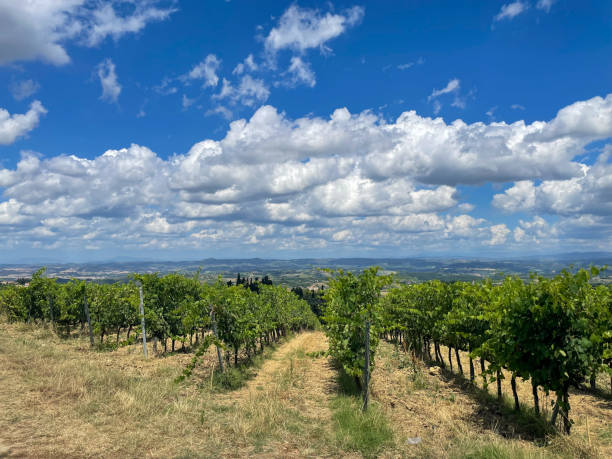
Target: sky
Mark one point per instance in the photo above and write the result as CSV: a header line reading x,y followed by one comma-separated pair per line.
x,y
182,129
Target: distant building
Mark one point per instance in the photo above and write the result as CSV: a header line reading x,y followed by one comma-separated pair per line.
x,y
316,286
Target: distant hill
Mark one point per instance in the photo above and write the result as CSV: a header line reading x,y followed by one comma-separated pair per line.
x,y
305,271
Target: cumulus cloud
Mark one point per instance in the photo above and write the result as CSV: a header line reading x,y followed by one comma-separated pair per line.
x,y
308,183
68,186
511,10
40,29
108,79
534,231
519,197
18,125
300,29
588,119
10,213
499,233
589,193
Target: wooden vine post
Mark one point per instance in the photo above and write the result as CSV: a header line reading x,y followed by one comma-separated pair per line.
x,y
142,318
88,317
50,302
51,312
214,330
366,369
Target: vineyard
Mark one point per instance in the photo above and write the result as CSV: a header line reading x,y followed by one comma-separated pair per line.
x,y
178,309
388,342
557,332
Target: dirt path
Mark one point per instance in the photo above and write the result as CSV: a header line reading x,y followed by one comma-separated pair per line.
x,y
291,366
293,350
286,406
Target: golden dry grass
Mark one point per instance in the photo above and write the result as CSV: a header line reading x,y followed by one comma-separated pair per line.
x,y
455,419
58,398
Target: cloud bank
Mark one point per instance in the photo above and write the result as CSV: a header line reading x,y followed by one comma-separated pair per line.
x,y
349,180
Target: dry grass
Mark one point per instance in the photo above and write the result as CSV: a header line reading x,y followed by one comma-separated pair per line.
x,y
456,419
59,398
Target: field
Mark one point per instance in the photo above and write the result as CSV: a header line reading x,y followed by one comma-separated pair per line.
x,y
60,398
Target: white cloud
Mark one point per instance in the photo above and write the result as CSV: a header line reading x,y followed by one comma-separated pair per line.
x,y
452,86
588,193
342,235
14,126
166,87
465,226
466,207
437,106
40,29
511,10
106,23
459,102
519,234
220,110
590,118
519,197
247,65
499,233
517,107
10,213
23,89
536,231
69,186
301,73
187,102
311,182
545,5
408,65
207,71
250,91
302,28
108,79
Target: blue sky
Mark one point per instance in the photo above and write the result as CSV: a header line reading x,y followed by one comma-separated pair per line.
x,y
184,129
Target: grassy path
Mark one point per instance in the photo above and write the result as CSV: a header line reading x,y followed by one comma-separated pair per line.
x,y
284,410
